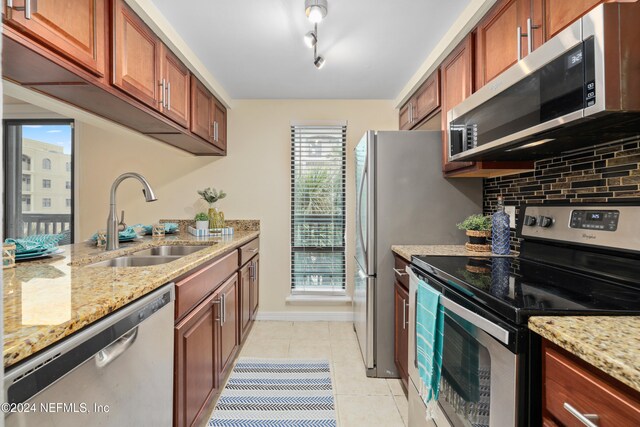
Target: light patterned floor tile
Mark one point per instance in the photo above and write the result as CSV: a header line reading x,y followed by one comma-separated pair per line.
x,y
403,408
272,330
361,411
351,379
316,331
342,331
267,348
309,349
396,386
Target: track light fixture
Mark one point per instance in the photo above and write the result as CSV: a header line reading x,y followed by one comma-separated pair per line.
x,y
316,10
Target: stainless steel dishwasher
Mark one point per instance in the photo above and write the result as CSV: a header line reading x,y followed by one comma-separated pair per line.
x,y
116,372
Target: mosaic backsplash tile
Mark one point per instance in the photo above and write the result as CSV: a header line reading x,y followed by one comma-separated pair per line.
x,y
608,173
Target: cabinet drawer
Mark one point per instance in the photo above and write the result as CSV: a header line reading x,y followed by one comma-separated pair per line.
x,y
400,264
568,384
249,250
194,287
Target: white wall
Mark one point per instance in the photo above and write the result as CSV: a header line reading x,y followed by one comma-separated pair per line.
x,y
255,174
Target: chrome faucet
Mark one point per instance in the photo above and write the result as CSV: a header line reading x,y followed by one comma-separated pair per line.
x,y
112,221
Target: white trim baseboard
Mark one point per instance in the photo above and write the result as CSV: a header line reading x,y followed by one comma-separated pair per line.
x,y
306,316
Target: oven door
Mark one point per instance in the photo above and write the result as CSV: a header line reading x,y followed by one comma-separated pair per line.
x,y
479,382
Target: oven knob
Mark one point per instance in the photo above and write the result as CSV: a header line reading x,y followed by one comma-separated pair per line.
x,y
545,221
529,220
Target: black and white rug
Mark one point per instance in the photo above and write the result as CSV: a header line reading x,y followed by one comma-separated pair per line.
x,y
276,393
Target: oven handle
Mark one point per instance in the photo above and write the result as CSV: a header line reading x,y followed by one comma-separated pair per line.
x,y
476,320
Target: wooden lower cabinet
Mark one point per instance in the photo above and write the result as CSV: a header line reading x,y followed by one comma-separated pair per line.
x,y
227,323
572,387
245,303
401,332
254,285
195,374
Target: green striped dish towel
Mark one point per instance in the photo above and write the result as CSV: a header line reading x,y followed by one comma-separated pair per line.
x,y
429,342
37,242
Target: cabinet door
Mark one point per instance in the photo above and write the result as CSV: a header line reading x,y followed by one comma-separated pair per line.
x,y
405,117
228,323
427,98
499,41
177,80
195,369
245,299
74,29
456,74
255,287
201,110
560,13
219,125
401,335
136,57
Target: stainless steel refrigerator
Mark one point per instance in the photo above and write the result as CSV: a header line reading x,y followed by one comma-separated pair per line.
x,y
401,199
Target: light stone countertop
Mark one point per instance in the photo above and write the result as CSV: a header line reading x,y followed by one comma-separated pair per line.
x,y
407,251
610,343
48,299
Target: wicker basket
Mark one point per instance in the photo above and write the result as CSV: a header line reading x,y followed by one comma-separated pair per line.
x,y
478,241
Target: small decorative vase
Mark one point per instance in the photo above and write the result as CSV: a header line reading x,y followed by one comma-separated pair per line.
x,y
216,218
202,225
478,241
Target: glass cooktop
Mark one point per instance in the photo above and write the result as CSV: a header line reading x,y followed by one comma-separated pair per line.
x,y
516,288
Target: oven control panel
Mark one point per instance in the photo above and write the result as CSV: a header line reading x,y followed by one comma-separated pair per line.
x,y
606,220
615,226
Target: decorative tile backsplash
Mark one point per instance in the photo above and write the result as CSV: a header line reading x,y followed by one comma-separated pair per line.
x,y
607,173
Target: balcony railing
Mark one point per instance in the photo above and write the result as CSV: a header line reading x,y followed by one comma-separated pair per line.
x,y
46,224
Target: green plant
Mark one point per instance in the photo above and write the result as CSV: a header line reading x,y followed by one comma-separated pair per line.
x,y
201,216
476,222
211,195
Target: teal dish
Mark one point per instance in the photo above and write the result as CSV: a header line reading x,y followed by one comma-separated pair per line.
x,y
169,228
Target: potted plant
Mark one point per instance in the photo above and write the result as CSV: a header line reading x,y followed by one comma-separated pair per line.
x,y
202,221
478,229
211,196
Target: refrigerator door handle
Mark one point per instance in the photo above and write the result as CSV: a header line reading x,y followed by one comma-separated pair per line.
x,y
359,211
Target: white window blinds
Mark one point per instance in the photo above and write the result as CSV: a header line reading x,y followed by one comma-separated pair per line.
x,y
318,162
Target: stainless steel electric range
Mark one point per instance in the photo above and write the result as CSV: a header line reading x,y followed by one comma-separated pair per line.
x,y
574,260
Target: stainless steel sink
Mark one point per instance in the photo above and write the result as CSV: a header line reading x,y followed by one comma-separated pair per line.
x,y
170,250
135,261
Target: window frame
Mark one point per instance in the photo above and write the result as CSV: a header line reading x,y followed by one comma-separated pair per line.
x,y
328,291
11,202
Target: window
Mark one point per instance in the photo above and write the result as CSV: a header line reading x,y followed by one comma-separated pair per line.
x,y
30,205
67,166
318,161
26,203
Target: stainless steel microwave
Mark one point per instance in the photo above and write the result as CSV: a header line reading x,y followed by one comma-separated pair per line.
x,y
580,88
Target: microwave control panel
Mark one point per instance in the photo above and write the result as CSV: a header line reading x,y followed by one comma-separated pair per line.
x,y
605,220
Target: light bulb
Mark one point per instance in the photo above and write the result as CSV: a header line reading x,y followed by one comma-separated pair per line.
x,y
315,14
319,62
310,39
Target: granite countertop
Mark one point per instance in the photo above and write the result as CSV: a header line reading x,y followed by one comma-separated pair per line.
x,y
407,251
48,299
610,343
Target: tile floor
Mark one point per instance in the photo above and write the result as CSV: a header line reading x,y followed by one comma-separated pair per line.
x,y
360,401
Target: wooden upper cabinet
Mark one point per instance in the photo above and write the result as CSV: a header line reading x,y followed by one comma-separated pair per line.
x,y
497,44
427,98
219,125
73,29
558,14
136,56
456,74
405,117
201,110
176,80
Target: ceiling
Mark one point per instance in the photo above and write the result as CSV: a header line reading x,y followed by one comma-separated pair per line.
x,y
255,49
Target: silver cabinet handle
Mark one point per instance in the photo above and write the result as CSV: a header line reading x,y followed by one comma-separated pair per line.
x,y
530,28
253,251
590,420
114,350
404,313
9,3
168,95
411,112
216,138
27,9
519,42
162,91
406,307
223,306
400,272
